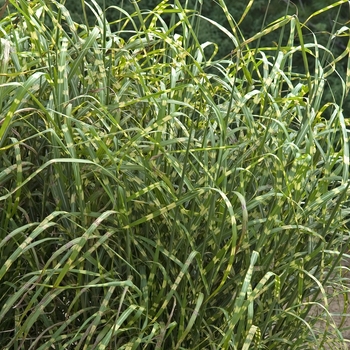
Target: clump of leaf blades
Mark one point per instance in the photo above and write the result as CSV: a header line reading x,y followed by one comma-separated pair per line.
x,y
153,198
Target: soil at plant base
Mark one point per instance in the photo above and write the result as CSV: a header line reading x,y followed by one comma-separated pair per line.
x,y
340,312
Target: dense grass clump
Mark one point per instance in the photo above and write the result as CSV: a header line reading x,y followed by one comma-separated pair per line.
x,y
152,197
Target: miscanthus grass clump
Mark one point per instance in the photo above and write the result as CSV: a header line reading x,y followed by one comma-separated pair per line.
x,y
153,196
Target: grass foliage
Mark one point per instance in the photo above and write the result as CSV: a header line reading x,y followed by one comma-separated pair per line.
x,y
153,197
